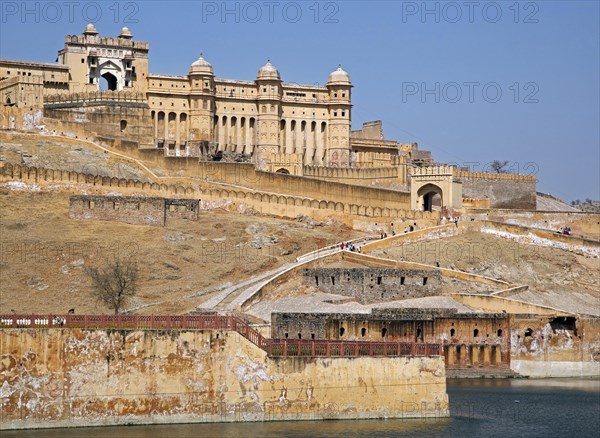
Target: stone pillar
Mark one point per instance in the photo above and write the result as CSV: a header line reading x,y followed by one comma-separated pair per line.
x,y
289,144
227,144
486,356
221,133
308,153
248,144
300,139
177,122
240,146
166,129
451,355
155,126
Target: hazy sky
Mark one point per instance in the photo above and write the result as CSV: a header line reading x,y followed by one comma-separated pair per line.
x,y
471,81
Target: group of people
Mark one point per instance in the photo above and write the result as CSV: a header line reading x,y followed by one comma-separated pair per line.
x,y
564,230
349,246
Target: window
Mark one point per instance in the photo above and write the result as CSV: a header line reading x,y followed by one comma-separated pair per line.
x,y
402,281
424,281
343,113
342,331
452,332
379,280
475,333
499,333
83,60
335,114
383,332
363,332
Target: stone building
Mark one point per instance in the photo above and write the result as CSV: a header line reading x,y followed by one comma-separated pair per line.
x,y
188,113
100,89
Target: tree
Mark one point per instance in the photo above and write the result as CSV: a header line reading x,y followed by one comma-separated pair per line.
x,y
114,284
498,166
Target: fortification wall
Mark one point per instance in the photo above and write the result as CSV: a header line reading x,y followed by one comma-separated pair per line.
x,y
354,215
555,346
246,175
22,119
581,223
375,285
114,122
77,377
502,189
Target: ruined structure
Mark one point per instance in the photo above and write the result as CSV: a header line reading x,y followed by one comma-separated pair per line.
x,y
133,210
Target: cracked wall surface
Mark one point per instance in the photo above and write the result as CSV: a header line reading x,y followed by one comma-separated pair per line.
x,y
75,377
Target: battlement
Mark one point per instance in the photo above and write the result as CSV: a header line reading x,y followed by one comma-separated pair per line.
x,y
106,41
97,97
441,170
495,176
349,172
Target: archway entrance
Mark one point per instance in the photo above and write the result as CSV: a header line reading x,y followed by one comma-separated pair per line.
x,y
430,197
108,82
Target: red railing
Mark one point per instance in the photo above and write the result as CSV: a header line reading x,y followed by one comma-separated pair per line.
x,y
273,347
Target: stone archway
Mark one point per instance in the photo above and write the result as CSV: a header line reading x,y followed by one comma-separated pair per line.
x,y
111,82
283,170
430,197
433,188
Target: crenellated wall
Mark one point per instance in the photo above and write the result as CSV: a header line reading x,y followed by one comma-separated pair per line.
x,y
240,197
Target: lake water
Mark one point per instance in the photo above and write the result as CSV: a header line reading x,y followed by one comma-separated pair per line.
x,y
502,408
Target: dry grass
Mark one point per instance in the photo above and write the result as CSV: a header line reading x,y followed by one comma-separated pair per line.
x,y
43,254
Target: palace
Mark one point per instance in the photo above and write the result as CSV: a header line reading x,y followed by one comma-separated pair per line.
x,y
100,89
236,116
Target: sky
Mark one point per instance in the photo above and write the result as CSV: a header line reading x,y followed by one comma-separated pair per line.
x,y
471,81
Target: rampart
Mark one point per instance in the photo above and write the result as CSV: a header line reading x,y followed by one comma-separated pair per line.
x,y
263,202
375,285
66,377
504,190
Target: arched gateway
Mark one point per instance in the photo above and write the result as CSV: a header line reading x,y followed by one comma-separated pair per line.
x,y
435,188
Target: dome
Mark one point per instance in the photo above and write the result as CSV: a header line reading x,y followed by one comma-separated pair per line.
x,y
268,72
339,77
201,66
90,29
125,33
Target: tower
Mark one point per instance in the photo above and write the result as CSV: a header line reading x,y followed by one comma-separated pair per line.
x,y
339,87
270,93
202,100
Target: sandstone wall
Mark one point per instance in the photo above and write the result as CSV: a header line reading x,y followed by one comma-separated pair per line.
x,y
76,377
126,121
581,223
354,215
375,285
502,190
132,210
555,346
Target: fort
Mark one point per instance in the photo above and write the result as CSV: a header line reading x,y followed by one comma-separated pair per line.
x,y
459,273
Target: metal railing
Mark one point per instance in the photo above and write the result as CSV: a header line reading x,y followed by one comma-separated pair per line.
x,y
230,322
